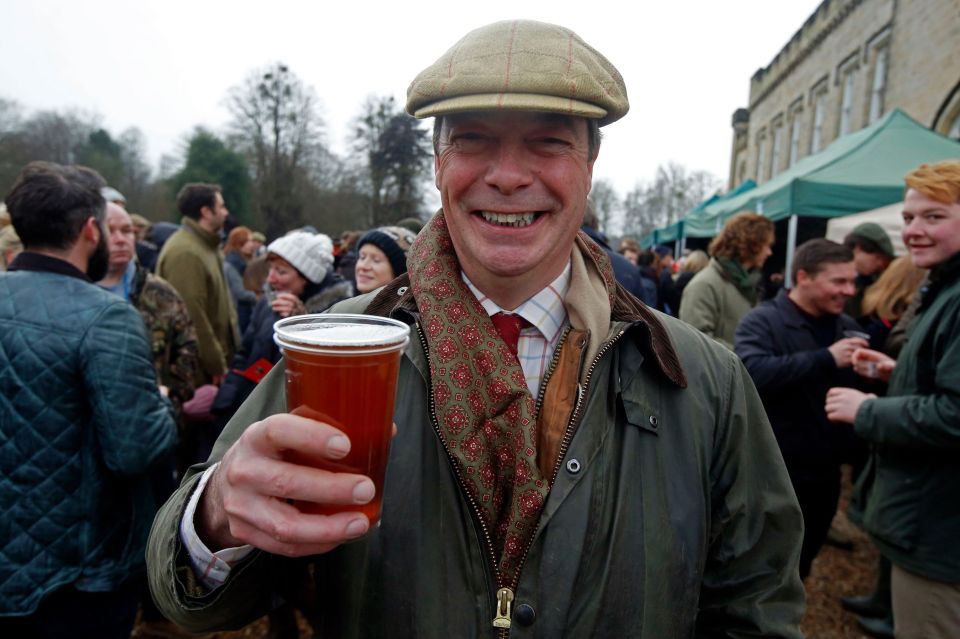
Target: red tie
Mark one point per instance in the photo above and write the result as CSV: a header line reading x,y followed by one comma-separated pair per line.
x,y
509,326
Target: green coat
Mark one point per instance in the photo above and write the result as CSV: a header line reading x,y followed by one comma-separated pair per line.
x,y
910,490
712,304
191,261
677,521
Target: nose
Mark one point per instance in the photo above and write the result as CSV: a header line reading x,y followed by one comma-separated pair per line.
x,y
508,170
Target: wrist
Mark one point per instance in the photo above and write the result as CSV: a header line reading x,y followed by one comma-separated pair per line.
x,y
210,521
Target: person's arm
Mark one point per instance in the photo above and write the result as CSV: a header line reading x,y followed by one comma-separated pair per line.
x,y
754,341
133,421
246,502
751,585
700,307
188,276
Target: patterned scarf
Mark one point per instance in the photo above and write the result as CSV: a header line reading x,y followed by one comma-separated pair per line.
x,y
485,413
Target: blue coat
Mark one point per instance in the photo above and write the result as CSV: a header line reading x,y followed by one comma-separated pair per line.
x,y
81,422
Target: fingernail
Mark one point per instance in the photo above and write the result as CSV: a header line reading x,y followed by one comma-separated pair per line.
x,y
338,446
363,492
357,528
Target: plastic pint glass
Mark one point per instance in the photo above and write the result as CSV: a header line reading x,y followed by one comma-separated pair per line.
x,y
342,370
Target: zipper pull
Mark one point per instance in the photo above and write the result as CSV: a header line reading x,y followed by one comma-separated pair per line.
x,y
504,601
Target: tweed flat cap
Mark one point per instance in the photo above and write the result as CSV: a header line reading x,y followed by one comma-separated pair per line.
x,y
520,65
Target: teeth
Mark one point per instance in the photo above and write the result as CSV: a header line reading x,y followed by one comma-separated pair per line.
x,y
515,220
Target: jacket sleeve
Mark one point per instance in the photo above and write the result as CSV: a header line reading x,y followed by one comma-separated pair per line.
x,y
751,585
929,421
700,307
249,591
134,424
188,276
755,342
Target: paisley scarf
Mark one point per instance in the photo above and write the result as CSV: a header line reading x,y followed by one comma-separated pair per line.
x,y
484,412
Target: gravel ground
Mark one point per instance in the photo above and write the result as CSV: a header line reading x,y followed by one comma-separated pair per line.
x,y
835,573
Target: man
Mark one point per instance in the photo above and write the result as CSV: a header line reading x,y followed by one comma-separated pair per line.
x,y
872,254
909,488
81,420
173,339
191,261
795,348
663,267
625,506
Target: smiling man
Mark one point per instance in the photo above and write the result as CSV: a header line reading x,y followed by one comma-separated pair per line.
x,y
567,461
796,346
911,484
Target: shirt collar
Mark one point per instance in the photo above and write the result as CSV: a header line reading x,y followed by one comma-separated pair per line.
x,y
544,310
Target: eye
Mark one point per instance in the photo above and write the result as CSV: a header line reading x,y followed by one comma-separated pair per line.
x,y
469,141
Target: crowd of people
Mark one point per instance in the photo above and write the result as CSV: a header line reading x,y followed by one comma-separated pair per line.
x,y
655,451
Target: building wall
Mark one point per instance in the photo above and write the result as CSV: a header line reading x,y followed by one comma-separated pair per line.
x,y
910,48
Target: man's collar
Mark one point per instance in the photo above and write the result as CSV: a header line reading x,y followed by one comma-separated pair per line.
x,y
208,237
30,261
544,310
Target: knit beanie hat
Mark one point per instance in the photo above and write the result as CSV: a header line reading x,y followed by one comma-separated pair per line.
x,y
394,241
875,233
311,255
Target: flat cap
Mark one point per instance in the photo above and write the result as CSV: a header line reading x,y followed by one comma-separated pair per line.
x,y
875,233
520,65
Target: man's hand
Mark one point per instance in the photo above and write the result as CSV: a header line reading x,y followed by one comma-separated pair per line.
x,y
246,499
842,350
287,304
843,403
873,364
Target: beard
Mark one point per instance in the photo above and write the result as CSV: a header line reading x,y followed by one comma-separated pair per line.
x,y
99,261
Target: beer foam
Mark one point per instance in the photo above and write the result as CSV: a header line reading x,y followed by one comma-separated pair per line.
x,y
344,334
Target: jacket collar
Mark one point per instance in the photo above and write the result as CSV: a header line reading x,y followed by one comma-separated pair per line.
x,y
209,238
30,261
789,312
396,300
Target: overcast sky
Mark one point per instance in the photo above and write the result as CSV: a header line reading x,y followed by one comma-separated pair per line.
x,y
165,66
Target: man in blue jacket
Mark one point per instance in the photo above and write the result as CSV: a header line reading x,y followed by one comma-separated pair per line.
x,y
81,420
795,347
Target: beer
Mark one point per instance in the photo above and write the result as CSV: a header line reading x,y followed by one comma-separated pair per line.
x,y
342,370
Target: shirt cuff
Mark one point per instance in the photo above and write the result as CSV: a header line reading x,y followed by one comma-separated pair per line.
x,y
211,568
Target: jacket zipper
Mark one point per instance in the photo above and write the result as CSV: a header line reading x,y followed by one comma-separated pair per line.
x,y
505,595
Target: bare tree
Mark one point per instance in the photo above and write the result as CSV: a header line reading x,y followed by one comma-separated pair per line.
x,y
672,194
277,125
606,203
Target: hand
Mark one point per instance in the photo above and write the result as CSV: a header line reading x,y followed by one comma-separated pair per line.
x,y
287,304
246,499
873,364
165,391
843,403
842,350
217,380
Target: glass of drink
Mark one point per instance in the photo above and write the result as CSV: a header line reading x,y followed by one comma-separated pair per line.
x,y
342,370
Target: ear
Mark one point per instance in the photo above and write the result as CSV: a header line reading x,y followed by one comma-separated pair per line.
x,y
91,230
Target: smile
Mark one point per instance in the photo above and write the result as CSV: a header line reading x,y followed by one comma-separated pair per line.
x,y
515,220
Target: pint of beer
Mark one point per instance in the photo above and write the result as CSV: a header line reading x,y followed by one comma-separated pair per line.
x,y
342,370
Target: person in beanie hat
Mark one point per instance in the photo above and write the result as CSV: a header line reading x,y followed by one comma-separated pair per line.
x,y
382,256
301,280
554,472
872,254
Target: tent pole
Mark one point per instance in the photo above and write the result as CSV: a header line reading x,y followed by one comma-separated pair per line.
x,y
791,247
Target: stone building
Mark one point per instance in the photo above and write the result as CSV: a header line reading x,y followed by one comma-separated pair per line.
x,y
850,62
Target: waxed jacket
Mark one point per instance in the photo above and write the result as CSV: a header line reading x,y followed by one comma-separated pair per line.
x,y
712,304
910,489
671,515
81,423
793,373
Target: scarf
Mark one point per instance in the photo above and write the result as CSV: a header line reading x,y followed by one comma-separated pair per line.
x,y
485,415
745,281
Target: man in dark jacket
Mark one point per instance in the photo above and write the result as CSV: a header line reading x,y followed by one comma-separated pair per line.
x,y
795,347
624,504
910,489
81,420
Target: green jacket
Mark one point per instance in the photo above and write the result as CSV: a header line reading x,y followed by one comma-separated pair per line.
x,y
672,514
910,489
712,304
191,261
